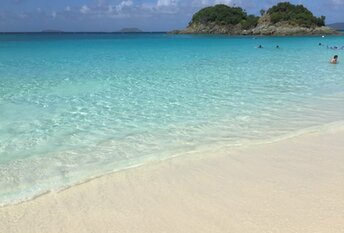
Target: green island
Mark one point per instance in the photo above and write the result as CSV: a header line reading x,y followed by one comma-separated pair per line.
x,y
282,19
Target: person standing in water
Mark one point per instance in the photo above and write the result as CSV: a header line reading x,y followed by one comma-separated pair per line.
x,y
334,60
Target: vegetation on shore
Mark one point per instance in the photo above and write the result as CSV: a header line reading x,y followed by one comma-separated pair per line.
x,y
225,15
295,15
282,19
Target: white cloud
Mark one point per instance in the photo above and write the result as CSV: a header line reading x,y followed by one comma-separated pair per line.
x,y
119,10
123,4
166,3
204,2
84,9
227,2
168,6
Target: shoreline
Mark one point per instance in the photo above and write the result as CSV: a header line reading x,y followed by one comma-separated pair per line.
x,y
197,177
321,129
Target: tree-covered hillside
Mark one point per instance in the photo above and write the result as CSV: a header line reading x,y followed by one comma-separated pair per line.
x,y
280,20
225,15
296,15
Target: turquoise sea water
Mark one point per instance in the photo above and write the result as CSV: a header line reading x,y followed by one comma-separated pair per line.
x,y
73,107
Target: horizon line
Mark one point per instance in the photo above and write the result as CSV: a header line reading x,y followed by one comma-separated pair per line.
x,y
78,32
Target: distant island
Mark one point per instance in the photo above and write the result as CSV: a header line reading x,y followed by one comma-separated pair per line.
x,y
127,30
51,31
337,26
282,19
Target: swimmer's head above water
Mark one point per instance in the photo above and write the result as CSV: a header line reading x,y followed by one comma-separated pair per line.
x,y
334,60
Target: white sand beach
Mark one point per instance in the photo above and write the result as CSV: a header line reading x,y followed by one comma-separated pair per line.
x,y
295,185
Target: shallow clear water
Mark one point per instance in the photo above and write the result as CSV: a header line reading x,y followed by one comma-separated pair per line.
x,y
74,107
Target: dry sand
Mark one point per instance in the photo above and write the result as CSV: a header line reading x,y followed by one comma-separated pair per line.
x,y
295,185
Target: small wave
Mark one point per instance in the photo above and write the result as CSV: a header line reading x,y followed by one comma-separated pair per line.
x,y
330,127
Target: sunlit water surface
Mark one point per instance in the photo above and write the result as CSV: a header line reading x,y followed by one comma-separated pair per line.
x,y
73,107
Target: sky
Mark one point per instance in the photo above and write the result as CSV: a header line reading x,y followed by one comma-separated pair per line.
x,y
112,15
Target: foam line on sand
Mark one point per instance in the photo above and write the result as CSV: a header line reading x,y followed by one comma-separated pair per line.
x,y
295,185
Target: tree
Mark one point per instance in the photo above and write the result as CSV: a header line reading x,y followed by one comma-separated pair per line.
x,y
322,20
284,12
250,22
296,15
220,14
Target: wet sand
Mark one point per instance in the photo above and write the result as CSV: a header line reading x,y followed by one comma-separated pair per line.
x,y
295,185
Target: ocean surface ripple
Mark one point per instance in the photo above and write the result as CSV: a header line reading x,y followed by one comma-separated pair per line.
x,y
73,107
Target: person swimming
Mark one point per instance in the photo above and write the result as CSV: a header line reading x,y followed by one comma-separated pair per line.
x,y
277,46
320,44
334,60
260,46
